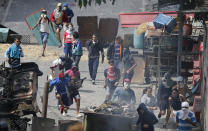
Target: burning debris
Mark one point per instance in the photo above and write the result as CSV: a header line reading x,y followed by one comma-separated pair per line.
x,y
18,89
114,109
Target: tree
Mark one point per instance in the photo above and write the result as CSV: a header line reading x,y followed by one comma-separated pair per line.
x,y
89,2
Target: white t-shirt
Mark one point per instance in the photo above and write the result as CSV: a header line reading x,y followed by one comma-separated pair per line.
x,y
148,101
44,26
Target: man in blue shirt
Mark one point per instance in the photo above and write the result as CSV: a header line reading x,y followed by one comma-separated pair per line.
x,y
185,118
68,12
61,84
13,54
115,52
125,94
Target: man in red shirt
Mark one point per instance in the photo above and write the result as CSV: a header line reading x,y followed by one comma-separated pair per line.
x,y
58,17
74,76
68,39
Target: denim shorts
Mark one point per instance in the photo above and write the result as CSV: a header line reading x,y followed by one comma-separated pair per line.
x,y
44,37
65,99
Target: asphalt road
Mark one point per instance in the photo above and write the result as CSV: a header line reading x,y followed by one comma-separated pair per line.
x,y
91,95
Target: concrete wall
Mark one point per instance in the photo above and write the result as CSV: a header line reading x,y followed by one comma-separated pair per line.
x,y
21,8
204,112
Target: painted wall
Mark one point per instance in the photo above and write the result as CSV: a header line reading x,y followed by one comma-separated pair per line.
x,y
21,8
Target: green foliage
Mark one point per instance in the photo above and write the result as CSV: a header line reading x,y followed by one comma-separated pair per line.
x,y
85,3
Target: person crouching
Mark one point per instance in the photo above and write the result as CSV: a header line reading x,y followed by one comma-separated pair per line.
x,y
125,94
60,83
147,119
112,76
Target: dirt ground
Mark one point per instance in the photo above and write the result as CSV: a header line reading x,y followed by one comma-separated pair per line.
x,y
91,95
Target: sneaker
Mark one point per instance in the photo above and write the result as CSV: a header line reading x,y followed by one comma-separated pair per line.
x,y
60,46
79,115
159,115
64,114
93,82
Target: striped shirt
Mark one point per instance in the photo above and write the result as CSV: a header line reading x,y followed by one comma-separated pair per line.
x,y
117,52
184,125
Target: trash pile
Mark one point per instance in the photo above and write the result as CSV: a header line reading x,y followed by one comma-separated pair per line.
x,y
114,109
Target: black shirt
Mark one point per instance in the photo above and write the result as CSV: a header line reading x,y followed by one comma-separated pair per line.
x,y
94,49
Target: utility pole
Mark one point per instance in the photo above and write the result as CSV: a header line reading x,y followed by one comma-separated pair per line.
x,y
6,12
180,38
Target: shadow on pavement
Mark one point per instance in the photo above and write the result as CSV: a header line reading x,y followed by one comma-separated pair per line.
x,y
86,91
171,124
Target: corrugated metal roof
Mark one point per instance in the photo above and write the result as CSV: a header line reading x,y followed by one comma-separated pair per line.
x,y
129,20
168,2
187,4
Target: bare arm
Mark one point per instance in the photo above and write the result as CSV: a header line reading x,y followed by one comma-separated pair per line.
x,y
52,26
171,109
52,74
36,24
105,83
64,38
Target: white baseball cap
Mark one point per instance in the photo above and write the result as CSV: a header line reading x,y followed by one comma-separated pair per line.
x,y
185,105
59,4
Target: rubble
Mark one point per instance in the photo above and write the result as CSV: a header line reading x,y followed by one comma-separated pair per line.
x,y
114,109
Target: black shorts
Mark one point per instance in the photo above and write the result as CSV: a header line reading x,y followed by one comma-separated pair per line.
x,y
59,26
73,95
164,105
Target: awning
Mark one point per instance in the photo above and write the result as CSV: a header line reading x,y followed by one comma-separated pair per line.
x,y
129,20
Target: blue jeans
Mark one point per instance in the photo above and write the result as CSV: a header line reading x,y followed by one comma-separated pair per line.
x,y
110,88
76,59
93,66
67,50
118,64
44,37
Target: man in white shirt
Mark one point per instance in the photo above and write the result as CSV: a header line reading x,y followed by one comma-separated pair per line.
x,y
44,22
149,100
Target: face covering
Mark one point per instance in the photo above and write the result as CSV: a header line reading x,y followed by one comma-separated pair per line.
x,y
59,8
164,82
43,15
65,8
126,85
68,30
184,114
94,42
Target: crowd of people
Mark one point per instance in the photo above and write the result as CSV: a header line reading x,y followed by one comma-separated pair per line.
x,y
172,100
65,76
64,71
